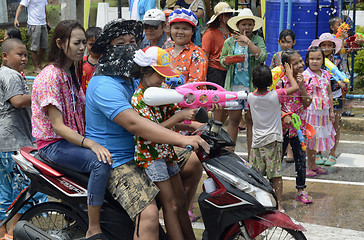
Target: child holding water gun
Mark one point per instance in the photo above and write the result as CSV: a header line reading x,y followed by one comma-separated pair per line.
x,y
265,108
331,46
320,113
159,160
287,39
297,103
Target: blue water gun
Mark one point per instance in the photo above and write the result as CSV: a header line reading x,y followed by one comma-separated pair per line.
x,y
335,72
175,81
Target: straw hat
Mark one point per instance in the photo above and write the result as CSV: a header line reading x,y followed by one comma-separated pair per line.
x,y
328,37
246,13
220,8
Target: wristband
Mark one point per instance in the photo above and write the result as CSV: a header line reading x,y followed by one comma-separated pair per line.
x,y
83,141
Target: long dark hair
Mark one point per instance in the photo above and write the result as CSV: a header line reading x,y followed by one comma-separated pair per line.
x,y
56,55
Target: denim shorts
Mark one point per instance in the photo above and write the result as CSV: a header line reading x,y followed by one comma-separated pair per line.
x,y
160,170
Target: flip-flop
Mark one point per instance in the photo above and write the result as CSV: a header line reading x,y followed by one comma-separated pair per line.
x,y
304,197
192,216
310,173
330,161
319,160
319,170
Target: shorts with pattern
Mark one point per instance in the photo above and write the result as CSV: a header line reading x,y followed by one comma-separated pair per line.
x,y
242,102
132,188
38,37
268,159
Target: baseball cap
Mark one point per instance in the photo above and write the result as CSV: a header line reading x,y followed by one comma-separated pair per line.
x,y
158,59
154,17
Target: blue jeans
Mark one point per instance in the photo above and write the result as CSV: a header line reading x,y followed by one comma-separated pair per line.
x,y
69,155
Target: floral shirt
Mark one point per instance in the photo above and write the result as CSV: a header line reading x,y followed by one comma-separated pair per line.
x,y
146,151
52,86
320,95
293,103
191,62
276,60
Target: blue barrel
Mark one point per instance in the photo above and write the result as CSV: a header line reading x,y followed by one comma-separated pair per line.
x,y
303,23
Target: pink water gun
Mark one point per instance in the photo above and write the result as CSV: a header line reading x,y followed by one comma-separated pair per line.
x,y
188,95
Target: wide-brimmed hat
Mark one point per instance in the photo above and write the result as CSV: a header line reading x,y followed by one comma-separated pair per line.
x,y
220,8
158,59
328,37
183,15
154,17
246,13
114,29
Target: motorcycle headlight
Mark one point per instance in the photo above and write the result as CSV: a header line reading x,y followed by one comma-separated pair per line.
x,y
262,196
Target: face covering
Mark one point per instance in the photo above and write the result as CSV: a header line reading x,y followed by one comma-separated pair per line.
x,y
117,60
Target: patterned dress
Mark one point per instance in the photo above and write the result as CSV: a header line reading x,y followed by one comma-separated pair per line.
x,y
318,112
146,151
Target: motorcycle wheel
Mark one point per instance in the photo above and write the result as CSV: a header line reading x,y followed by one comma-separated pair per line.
x,y
57,220
275,233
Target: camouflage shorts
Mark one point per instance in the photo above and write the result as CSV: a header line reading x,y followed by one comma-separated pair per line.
x,y
183,156
267,159
132,188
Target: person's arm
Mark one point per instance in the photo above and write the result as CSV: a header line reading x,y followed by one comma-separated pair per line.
x,y
289,73
206,43
332,115
199,13
131,121
47,20
56,118
241,37
224,53
306,98
185,114
18,11
21,101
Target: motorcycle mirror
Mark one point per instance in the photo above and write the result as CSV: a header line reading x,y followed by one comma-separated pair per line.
x,y
201,115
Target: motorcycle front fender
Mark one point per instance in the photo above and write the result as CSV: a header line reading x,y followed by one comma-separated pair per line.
x,y
258,224
18,203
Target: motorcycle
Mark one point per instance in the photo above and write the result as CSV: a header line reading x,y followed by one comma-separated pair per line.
x,y
65,215
237,201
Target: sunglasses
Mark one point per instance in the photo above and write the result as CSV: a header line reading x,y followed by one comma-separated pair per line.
x,y
147,26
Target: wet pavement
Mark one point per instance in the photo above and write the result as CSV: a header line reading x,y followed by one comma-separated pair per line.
x,y
338,208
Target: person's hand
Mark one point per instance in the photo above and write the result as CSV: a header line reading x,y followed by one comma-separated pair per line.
x,y
216,106
195,142
241,37
344,34
225,63
102,153
342,84
299,78
332,116
16,23
289,71
359,40
287,119
186,114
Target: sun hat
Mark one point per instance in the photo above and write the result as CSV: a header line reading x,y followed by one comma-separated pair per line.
x,y
114,29
246,13
154,17
328,37
158,59
220,8
183,15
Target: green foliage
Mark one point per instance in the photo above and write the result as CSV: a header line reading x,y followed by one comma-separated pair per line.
x,y
359,63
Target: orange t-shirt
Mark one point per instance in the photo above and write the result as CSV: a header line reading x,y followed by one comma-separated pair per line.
x,y
212,43
191,62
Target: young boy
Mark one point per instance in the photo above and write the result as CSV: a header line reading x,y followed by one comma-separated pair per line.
x,y
89,61
297,103
15,124
265,108
287,39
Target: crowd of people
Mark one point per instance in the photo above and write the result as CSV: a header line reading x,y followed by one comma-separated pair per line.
x,y
91,107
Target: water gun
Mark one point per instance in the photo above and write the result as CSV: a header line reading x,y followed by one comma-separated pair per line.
x,y
351,41
296,123
343,26
190,96
335,73
277,73
360,35
175,81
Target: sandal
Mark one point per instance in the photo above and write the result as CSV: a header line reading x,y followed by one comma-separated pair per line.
x,y
7,237
310,173
319,170
304,197
330,161
319,160
192,216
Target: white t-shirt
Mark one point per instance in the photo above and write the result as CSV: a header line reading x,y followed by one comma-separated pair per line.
x,y
266,114
36,11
